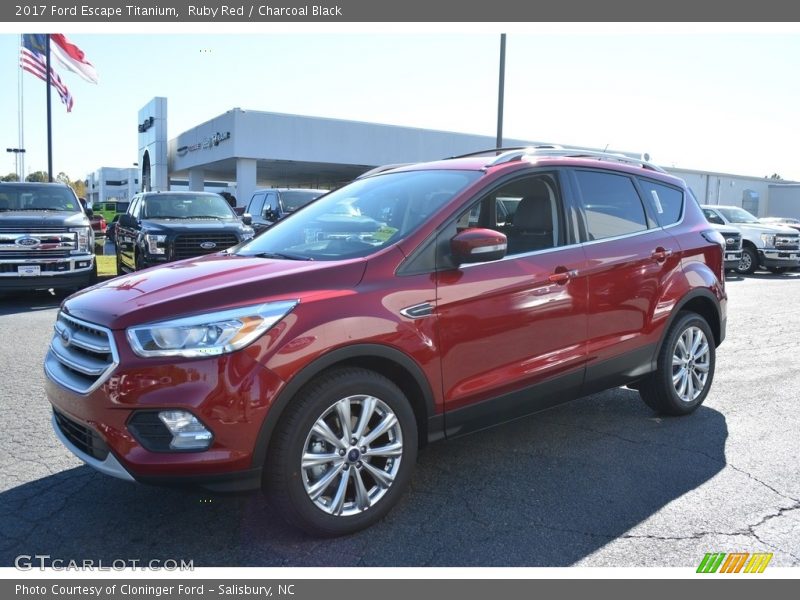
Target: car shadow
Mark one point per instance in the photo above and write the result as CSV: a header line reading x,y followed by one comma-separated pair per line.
x,y
546,490
13,302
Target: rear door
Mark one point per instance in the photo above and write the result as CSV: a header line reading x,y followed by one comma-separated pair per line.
x,y
512,332
629,257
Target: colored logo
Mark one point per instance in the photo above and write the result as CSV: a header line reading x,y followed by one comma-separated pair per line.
x,y
27,242
208,245
736,562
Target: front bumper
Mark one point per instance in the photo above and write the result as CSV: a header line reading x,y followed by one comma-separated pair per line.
x,y
779,258
230,394
732,258
74,271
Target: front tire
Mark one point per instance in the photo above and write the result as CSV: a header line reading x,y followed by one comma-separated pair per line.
x,y
343,453
685,368
748,263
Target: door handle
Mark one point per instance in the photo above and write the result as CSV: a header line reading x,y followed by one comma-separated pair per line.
x,y
661,254
561,276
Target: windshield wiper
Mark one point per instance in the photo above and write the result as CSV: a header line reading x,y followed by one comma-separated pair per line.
x,y
281,255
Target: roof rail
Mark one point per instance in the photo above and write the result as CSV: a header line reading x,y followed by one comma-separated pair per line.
x,y
544,151
381,169
494,151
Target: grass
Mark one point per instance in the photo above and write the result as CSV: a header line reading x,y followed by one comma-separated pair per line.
x,y
106,266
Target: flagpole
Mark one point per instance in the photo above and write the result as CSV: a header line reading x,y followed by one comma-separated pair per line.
x,y
49,116
21,120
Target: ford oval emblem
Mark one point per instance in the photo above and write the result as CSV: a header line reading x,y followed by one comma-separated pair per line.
x,y
27,242
208,245
730,241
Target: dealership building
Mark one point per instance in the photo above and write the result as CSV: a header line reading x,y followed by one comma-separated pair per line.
x,y
242,150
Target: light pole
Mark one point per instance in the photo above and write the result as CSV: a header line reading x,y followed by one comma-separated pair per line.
x,y
17,152
500,91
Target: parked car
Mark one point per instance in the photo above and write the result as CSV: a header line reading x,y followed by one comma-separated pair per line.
x,y
111,209
99,227
271,205
46,239
784,221
772,247
161,227
111,230
317,358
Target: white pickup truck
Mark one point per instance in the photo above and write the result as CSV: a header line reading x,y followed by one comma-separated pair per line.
x,y
772,247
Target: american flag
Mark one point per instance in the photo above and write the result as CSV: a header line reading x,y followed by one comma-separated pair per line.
x,y
32,59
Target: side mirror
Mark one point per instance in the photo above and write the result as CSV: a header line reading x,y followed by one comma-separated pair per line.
x,y
478,245
89,212
247,219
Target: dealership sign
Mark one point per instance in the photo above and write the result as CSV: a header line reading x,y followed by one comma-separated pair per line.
x,y
208,142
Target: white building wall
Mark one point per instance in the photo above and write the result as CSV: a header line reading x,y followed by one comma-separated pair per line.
x,y
732,190
784,200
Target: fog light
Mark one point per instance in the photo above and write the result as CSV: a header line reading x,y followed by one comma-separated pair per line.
x,y
187,432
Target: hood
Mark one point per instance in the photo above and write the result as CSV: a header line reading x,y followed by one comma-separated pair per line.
x,y
725,228
31,219
762,228
191,225
206,284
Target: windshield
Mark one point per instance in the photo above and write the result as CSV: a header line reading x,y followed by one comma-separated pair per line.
x,y
361,217
31,197
294,200
737,215
186,206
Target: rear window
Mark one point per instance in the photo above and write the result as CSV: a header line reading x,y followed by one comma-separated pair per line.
x,y
666,202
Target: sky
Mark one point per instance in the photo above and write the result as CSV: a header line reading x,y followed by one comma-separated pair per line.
x,y
702,97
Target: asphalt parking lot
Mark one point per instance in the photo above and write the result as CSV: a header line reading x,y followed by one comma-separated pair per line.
x,y
598,482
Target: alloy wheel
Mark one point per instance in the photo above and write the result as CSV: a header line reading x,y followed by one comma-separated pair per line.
x,y
691,361
352,455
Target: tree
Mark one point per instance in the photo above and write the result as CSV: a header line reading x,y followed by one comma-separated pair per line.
x,y
37,176
80,188
63,178
775,176
10,177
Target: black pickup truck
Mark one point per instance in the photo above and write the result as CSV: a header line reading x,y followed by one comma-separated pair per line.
x,y
46,238
161,227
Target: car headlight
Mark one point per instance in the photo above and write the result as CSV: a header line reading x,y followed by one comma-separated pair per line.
x,y
84,238
155,243
248,233
209,334
768,239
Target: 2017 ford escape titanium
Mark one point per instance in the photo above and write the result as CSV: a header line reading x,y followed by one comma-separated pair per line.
x,y
403,308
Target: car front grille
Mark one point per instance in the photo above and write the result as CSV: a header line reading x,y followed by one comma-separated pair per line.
x,y
37,243
81,354
83,438
733,241
787,242
197,244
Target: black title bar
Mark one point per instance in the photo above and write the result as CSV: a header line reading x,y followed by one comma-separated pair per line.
x,y
441,11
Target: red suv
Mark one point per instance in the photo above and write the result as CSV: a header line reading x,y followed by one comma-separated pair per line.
x,y
420,303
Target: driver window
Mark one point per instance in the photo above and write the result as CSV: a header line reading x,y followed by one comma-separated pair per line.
x,y
526,211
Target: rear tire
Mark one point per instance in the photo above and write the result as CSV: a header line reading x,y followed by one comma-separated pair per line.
x,y
343,453
685,368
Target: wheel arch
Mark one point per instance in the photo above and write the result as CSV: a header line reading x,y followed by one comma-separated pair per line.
x,y
702,302
393,364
